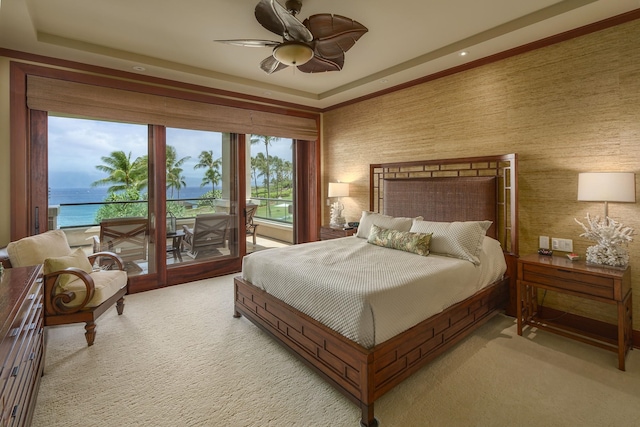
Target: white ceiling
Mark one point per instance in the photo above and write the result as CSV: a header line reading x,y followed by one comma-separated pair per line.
x,y
173,39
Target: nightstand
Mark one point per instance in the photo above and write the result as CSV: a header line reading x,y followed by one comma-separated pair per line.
x,y
327,232
607,285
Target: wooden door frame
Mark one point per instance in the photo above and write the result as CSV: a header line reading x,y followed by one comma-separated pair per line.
x,y
27,170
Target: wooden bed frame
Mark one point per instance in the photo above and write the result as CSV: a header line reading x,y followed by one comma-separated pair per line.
x,y
361,374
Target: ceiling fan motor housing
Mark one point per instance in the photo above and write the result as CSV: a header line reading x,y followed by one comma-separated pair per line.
x,y
293,6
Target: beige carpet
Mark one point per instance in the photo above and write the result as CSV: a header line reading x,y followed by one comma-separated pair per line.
x,y
177,357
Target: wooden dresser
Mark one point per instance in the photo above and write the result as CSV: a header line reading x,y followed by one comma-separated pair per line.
x,y
21,343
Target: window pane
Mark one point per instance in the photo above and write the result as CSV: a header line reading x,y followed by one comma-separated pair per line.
x,y
98,187
201,196
271,180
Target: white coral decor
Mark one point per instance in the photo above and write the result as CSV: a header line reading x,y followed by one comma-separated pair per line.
x,y
610,237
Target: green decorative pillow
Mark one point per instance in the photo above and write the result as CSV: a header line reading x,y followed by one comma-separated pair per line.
x,y
417,243
77,259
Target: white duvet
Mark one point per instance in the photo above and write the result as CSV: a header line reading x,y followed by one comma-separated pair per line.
x,y
365,292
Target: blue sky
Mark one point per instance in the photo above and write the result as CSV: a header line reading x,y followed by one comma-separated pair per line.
x,y
76,147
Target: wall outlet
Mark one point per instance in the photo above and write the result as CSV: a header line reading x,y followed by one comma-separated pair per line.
x,y
544,242
563,245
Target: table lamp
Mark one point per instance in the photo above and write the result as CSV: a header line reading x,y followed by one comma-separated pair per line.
x,y
337,190
610,236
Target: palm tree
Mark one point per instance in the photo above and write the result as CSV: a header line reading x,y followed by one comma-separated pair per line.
x,y
288,173
212,174
123,173
258,164
278,170
267,140
175,179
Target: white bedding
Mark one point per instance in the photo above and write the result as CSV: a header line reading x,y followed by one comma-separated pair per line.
x,y
365,292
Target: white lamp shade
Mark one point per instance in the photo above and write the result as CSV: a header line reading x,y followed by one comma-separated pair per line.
x,y
607,187
338,189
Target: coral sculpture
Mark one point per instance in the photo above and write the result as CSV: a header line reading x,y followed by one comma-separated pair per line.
x,y
337,220
611,239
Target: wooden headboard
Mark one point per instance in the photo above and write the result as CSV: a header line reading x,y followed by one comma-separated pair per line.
x,y
466,189
443,199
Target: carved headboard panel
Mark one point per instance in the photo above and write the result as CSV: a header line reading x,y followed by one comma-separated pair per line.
x,y
465,189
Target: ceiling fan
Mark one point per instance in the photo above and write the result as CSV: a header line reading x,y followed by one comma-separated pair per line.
x,y
316,45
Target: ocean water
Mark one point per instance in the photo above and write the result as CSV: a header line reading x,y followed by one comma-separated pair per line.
x,y
85,214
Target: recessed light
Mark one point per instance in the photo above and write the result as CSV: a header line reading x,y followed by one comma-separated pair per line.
x,y
139,68
463,53
384,81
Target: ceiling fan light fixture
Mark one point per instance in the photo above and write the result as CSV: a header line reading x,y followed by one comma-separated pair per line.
x,y
293,53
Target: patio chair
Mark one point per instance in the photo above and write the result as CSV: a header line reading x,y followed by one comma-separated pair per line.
x,y
209,233
127,237
73,290
250,226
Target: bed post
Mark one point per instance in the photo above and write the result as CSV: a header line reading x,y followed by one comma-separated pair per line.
x,y
236,313
368,420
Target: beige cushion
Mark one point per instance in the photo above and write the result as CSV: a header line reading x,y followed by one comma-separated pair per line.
x,y
417,243
106,282
77,259
35,249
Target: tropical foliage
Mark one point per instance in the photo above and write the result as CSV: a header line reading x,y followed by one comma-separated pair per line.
x,y
212,169
271,176
122,204
123,174
175,178
274,171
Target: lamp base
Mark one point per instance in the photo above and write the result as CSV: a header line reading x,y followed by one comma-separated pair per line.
x,y
338,222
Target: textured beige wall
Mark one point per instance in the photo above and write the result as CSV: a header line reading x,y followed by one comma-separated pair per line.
x,y
568,108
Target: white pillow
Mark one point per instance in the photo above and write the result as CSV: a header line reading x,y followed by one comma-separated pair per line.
x,y
455,239
385,221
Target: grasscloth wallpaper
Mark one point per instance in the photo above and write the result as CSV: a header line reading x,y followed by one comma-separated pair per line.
x,y
568,108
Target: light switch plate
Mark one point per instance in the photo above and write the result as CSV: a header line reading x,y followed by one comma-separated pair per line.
x,y
544,242
563,245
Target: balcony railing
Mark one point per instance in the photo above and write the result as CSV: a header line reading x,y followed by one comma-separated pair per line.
x,y
67,215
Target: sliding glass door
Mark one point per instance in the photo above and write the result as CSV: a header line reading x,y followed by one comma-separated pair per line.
x,y
98,188
160,123
201,196
169,224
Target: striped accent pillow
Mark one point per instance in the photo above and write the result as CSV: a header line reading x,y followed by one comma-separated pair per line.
x,y
461,240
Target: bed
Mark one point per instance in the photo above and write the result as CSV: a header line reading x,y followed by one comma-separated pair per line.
x,y
352,346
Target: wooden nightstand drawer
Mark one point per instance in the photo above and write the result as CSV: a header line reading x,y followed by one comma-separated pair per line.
x,y
568,280
327,233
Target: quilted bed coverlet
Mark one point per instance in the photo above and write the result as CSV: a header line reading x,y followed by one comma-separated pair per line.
x,y
365,292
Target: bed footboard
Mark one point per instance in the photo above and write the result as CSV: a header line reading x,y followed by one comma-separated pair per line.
x,y
363,375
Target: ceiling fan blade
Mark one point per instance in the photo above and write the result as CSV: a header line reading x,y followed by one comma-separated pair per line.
x,y
333,34
271,65
320,65
275,18
250,42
